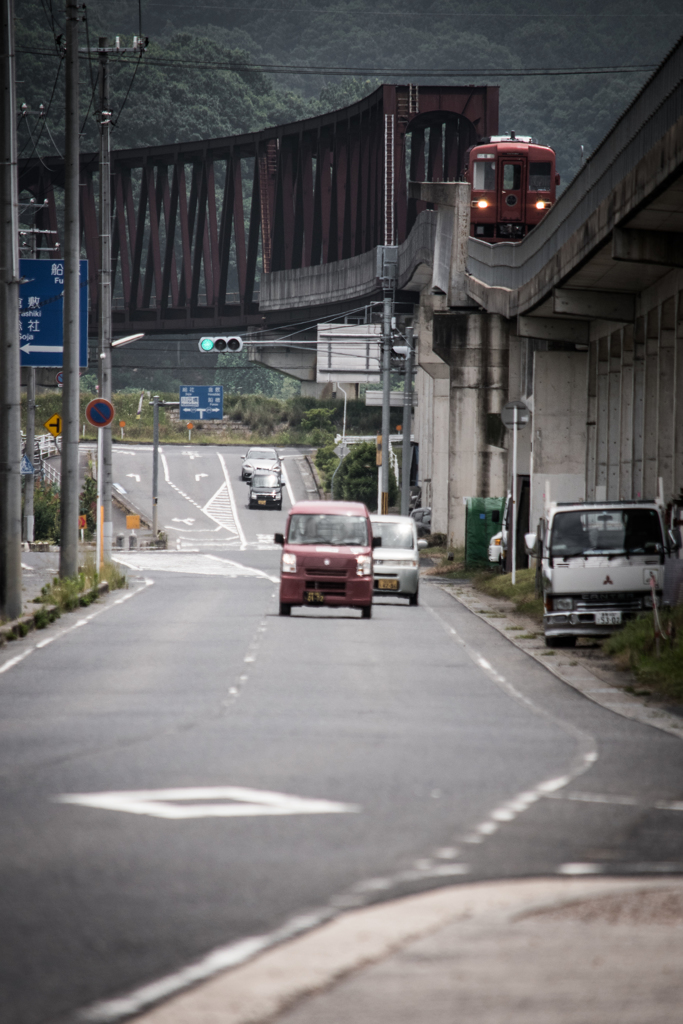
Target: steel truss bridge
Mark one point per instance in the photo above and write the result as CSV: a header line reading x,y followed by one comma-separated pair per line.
x,y
195,224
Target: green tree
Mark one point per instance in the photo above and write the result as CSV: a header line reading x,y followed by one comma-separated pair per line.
x,y
357,477
46,512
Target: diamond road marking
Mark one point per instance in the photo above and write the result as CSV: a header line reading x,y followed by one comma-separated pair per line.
x,y
216,802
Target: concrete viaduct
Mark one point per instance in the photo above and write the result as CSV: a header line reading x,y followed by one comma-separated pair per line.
x,y
581,319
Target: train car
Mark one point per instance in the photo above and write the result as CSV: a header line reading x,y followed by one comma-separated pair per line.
x,y
513,186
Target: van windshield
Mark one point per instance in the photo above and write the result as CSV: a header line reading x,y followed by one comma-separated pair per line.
x,y
268,480
328,529
394,535
634,531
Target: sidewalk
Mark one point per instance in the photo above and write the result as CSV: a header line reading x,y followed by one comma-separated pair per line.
x,y
543,951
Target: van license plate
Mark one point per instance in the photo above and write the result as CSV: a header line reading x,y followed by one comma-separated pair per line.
x,y
313,597
387,584
261,502
608,618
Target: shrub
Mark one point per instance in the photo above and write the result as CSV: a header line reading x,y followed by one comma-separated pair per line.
x,y
46,512
357,477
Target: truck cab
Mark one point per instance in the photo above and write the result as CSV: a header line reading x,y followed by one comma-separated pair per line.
x,y
601,563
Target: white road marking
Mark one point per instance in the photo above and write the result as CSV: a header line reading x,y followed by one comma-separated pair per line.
x,y
200,476
81,622
238,525
181,804
618,801
27,568
136,476
195,563
288,485
220,509
188,522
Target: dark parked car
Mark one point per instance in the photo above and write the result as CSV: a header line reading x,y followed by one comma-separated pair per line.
x,y
265,491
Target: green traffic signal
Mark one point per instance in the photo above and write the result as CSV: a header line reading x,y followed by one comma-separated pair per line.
x,y
206,345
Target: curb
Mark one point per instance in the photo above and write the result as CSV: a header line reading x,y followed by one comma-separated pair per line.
x,y
577,674
272,981
18,628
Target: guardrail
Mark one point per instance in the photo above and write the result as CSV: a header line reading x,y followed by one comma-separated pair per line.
x,y
45,447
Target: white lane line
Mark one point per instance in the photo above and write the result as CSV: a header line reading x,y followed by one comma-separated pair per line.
x,y
586,756
235,517
110,1010
81,622
194,563
618,801
238,565
288,485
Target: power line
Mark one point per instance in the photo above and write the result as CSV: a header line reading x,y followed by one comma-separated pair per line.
x,y
278,69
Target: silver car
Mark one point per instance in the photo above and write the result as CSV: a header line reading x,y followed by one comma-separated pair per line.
x,y
260,460
396,562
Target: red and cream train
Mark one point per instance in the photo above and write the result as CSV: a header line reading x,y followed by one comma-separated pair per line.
x,y
513,186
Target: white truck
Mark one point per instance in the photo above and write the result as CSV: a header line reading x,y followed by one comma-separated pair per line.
x,y
601,563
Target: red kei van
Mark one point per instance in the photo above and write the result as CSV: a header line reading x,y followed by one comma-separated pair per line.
x,y
327,556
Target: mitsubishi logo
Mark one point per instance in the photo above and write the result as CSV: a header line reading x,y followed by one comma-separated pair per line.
x,y
606,581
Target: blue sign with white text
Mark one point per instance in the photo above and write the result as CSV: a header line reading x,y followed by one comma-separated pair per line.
x,y
201,402
41,312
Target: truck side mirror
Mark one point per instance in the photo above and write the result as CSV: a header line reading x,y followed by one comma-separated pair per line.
x,y
376,542
279,538
675,542
531,544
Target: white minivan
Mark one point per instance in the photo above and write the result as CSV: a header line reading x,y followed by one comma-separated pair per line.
x,y
396,560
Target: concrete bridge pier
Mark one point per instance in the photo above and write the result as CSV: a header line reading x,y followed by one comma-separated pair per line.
x,y
298,363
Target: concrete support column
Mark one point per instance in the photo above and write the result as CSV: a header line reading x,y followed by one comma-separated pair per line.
x,y
602,420
638,407
626,430
678,400
651,416
440,455
614,417
665,407
591,420
560,404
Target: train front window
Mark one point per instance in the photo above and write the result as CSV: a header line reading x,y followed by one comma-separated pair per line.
x,y
484,176
539,177
512,177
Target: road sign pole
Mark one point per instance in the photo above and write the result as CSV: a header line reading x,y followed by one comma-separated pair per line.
x,y
98,515
29,518
513,497
10,390
68,555
406,457
104,282
155,470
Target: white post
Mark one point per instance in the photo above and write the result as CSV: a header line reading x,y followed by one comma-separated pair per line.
x,y
379,488
343,440
98,516
513,497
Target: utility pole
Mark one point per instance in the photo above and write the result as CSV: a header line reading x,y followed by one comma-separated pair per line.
x,y
68,555
386,397
155,469
407,425
104,297
29,518
10,361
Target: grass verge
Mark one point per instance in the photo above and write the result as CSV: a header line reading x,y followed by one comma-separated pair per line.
x,y
634,648
522,595
81,590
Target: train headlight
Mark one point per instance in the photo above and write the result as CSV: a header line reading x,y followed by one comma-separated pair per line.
x,y
482,204
540,205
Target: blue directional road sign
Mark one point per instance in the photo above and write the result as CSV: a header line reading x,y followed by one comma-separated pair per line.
x,y
41,311
201,403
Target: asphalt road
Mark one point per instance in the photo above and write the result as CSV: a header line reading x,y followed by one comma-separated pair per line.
x,y
440,752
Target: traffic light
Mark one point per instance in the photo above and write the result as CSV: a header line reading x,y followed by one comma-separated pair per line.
x,y
226,343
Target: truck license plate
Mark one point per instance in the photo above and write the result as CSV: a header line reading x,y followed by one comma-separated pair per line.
x,y
261,502
608,618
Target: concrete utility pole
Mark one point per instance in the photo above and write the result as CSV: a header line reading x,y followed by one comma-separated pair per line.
x,y
407,425
386,397
29,518
10,360
104,283
155,469
68,555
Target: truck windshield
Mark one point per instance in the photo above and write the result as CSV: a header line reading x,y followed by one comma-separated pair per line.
x,y
634,531
327,529
394,535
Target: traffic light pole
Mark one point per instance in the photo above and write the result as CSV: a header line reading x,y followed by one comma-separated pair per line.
x,y
10,373
68,552
386,397
406,457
